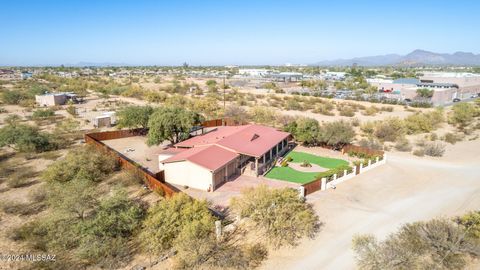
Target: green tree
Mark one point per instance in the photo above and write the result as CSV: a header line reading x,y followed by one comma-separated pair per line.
x,y
170,123
212,86
281,215
336,134
134,117
425,93
305,130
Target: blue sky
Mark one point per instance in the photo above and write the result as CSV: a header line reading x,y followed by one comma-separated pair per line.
x,y
229,32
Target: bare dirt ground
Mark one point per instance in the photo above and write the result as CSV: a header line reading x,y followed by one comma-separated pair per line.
x,y
378,202
137,149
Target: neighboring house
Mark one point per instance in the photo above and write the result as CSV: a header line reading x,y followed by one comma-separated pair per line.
x,y
207,161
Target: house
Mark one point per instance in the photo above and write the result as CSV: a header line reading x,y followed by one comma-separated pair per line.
x,y
207,161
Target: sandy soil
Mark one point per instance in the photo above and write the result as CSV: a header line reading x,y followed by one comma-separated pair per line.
x,y
406,189
142,153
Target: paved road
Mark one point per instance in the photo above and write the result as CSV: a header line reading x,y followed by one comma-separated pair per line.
x,y
406,189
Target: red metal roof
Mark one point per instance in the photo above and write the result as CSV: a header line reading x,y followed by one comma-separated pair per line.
x,y
252,140
211,157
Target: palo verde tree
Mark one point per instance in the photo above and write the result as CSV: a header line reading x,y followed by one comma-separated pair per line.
x,y
171,123
281,215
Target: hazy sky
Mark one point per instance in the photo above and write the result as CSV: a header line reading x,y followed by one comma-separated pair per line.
x,y
229,32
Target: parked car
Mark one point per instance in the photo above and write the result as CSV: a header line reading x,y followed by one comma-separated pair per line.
x,y
456,100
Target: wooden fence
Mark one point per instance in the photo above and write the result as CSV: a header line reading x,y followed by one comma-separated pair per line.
x,y
153,181
222,122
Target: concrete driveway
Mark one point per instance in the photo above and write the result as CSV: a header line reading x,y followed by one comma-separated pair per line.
x,y
222,195
406,189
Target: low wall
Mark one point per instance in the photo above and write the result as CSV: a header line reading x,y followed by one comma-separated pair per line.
x,y
153,181
326,183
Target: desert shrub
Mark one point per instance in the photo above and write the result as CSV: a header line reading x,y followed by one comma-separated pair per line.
x,y
424,122
290,218
403,145
26,138
325,109
463,114
21,177
370,111
43,113
368,128
433,136
346,111
236,113
434,149
166,220
355,122
102,238
23,209
471,223
371,143
293,105
451,138
198,248
435,244
262,115
420,152
81,163
389,130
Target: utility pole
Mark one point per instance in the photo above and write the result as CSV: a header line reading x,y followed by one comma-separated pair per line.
x,y
224,89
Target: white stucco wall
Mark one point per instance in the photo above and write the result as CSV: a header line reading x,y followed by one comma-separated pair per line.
x,y
185,173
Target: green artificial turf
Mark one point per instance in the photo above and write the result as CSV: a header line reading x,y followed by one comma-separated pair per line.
x,y
291,175
329,163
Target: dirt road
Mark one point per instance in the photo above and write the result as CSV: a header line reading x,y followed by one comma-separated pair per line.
x,y
406,189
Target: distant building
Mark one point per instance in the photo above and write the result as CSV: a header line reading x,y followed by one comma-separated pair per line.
x,y
54,99
468,84
26,75
254,72
287,76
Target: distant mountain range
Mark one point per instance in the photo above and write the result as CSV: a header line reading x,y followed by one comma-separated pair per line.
x,y
415,58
